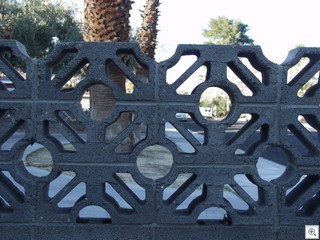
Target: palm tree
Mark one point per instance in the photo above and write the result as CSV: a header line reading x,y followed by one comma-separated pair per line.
x,y
107,21
147,36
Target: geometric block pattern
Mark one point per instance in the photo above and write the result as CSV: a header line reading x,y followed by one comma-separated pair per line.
x,y
216,190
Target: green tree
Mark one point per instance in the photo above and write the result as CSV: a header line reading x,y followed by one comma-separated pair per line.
x,y
38,24
224,31
221,106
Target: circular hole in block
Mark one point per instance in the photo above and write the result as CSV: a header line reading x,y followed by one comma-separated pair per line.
x,y
38,160
214,103
155,162
98,101
94,214
273,163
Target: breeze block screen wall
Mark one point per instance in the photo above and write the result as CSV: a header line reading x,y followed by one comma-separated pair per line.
x,y
213,189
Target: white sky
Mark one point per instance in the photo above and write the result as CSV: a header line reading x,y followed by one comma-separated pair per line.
x,y
276,25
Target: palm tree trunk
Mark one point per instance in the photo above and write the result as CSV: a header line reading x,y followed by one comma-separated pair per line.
x,y
147,38
107,21
148,34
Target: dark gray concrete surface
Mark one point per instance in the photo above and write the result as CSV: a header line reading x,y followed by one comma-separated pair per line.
x,y
283,207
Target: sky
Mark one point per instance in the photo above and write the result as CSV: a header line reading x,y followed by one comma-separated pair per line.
x,y
276,25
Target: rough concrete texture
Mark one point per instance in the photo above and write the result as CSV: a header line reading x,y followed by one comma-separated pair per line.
x,y
28,210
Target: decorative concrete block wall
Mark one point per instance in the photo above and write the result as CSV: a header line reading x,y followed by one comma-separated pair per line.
x,y
213,189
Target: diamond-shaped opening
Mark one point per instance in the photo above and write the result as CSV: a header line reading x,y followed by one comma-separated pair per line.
x,y
296,142
139,71
302,141
13,191
81,74
180,67
130,142
99,101
305,193
181,183
5,207
65,58
296,191
249,187
245,74
185,75
125,146
311,124
232,77
139,133
310,207
234,131
13,67
121,78
186,121
15,132
252,68
38,161
253,141
155,162
237,129
71,125
93,213
214,215
5,83
121,131
306,89
131,184
216,100
232,197
71,82
194,80
197,196
295,71
273,163
197,131
67,70
121,203
60,183
55,134
77,194
7,178
182,143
